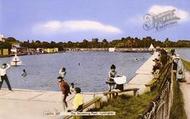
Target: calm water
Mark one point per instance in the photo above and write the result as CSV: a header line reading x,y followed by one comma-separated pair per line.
x,y
184,53
90,75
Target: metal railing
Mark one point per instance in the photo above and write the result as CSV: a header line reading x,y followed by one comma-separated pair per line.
x,y
159,108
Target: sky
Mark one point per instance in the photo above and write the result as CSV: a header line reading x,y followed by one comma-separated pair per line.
x,y
75,20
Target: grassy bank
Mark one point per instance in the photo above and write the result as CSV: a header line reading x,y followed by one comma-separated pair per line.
x,y
186,64
127,107
177,110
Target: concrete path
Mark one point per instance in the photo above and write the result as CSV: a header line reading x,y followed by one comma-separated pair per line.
x,y
32,104
185,88
143,75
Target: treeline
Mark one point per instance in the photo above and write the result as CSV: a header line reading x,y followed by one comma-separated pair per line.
x,y
127,42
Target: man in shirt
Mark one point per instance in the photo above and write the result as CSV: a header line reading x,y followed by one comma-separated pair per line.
x,y
3,74
64,87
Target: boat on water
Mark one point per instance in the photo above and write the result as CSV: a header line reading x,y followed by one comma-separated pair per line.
x,y
16,61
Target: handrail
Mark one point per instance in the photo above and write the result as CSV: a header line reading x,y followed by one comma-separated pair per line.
x,y
163,88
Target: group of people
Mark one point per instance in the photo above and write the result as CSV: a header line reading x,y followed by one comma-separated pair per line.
x,y
67,89
178,68
159,62
162,60
78,100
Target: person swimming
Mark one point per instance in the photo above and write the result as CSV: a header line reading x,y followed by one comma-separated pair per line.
x,y
24,74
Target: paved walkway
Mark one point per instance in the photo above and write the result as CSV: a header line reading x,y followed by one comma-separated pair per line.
x,y
30,104
143,75
185,87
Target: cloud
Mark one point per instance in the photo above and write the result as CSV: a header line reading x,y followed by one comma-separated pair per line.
x,y
135,20
55,27
156,9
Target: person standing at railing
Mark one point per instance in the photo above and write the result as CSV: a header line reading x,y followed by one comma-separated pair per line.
x,y
3,74
163,57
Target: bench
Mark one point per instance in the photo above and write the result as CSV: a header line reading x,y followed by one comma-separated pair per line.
x,y
113,94
96,101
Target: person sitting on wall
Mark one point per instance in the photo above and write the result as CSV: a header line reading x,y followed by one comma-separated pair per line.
x,y
78,100
156,68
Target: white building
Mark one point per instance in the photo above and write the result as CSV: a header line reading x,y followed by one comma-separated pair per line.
x,y
151,47
111,49
1,38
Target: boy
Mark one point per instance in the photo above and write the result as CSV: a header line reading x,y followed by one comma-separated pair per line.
x,y
64,87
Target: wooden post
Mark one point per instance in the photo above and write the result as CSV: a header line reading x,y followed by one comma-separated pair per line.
x,y
98,104
171,91
135,92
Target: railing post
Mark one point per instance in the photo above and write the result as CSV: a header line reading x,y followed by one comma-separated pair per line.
x,y
98,104
171,91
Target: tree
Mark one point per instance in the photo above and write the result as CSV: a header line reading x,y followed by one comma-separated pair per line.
x,y
11,39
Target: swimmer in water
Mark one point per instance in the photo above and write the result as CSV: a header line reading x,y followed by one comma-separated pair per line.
x,y
24,74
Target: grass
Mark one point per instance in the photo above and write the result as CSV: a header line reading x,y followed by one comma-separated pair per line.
x,y
177,109
127,107
186,64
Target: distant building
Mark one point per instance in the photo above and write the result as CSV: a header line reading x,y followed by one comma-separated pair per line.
x,y
16,45
4,52
51,50
111,49
40,50
2,38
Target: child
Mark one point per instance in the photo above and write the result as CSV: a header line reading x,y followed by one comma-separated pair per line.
x,y
112,75
78,100
62,72
64,87
72,88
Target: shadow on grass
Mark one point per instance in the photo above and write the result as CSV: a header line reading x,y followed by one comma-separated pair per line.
x,y
126,107
177,109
